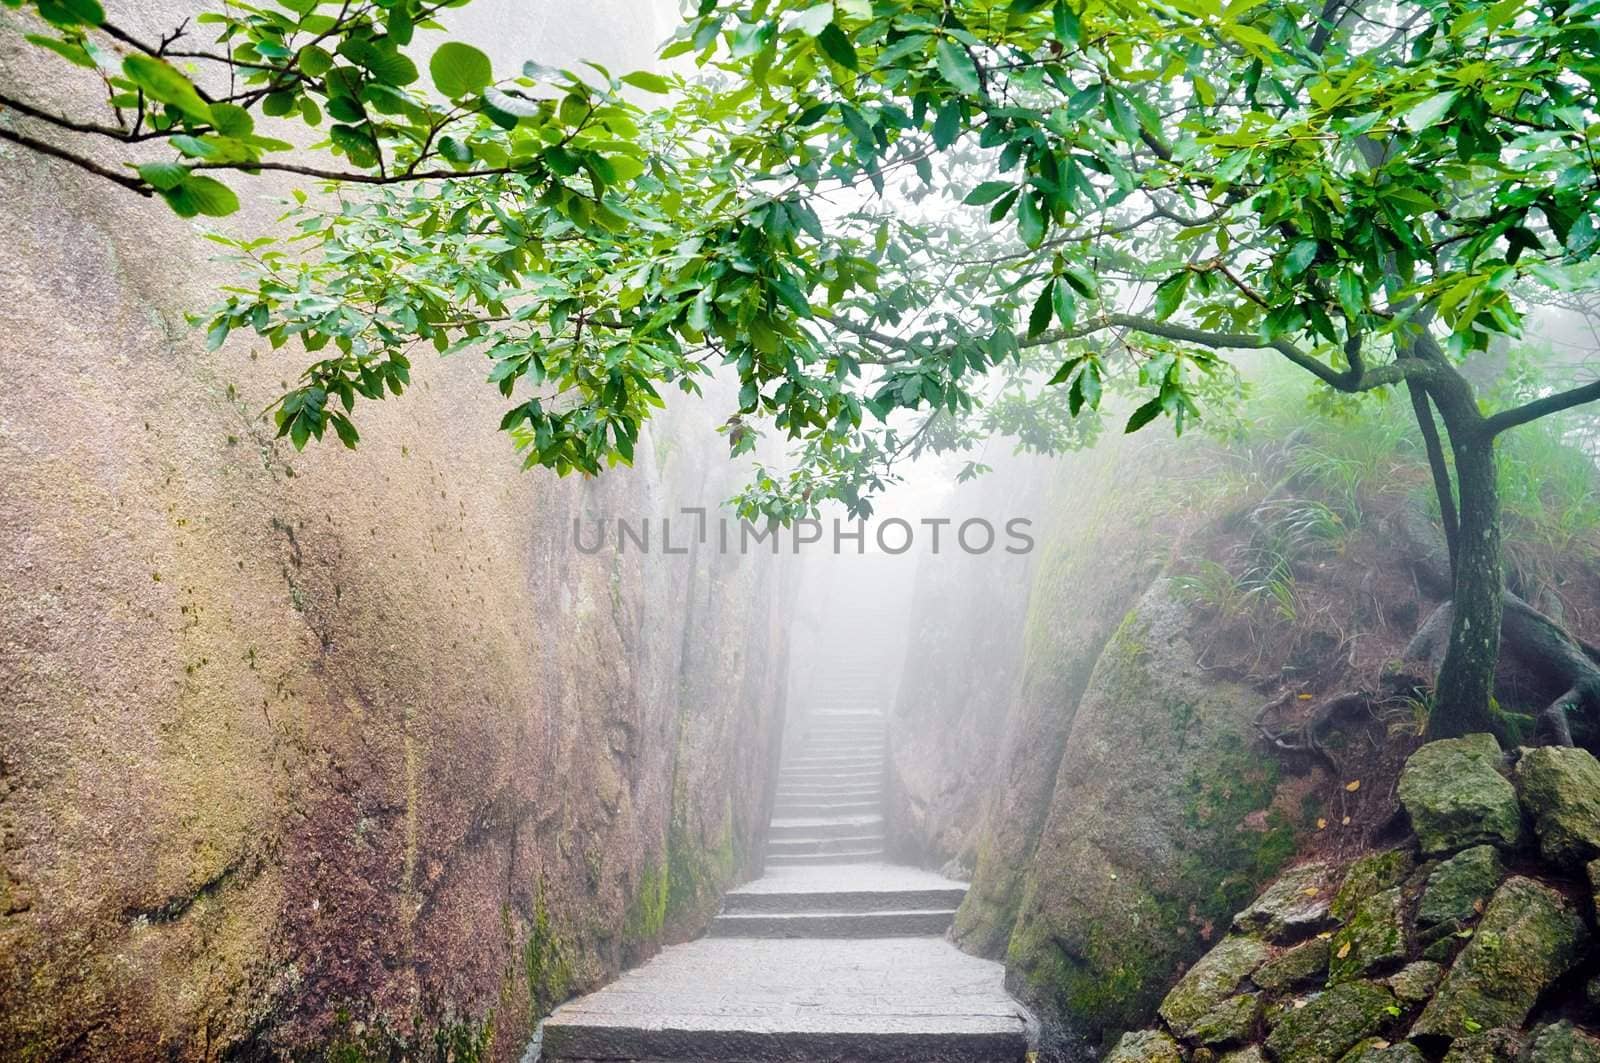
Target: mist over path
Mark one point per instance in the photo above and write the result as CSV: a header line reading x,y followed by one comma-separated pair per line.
x,y
832,953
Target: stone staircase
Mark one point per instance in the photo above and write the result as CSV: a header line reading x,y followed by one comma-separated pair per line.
x,y
832,956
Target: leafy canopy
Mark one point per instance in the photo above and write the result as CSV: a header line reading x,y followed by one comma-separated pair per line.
x,y
901,224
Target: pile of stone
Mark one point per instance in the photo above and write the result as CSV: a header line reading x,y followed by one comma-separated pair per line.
x,y
1469,944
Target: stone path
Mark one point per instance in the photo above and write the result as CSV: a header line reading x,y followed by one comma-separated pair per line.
x,y
832,956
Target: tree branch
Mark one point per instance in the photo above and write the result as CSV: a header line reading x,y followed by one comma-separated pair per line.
x,y
125,180
1532,411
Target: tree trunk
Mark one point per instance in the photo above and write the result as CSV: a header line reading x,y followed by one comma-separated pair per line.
x,y
1466,679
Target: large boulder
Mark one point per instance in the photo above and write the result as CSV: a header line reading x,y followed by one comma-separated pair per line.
x,y
1530,936
1561,791
1460,887
1211,981
1330,1023
1456,796
1166,820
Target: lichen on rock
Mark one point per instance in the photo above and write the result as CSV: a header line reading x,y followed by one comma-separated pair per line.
x,y
1530,936
1456,796
1561,790
1145,1046
1330,1023
1460,887
1374,936
1295,905
1212,980
1302,965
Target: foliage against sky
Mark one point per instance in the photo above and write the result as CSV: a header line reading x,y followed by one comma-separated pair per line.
x,y
901,224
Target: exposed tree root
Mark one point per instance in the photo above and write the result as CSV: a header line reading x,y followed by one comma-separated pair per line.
x,y
1542,646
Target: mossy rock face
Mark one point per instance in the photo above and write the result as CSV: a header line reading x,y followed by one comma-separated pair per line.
x,y
1530,936
1563,1043
1231,1022
1486,1046
1415,982
1305,964
1561,791
1377,1050
1460,887
1371,874
1331,1023
1211,981
1165,820
1145,1046
1374,936
1292,907
1456,796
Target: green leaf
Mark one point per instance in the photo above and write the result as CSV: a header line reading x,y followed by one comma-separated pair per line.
x,y
1170,293
72,53
1429,111
643,79
164,176
1030,222
1299,258
987,192
1144,415
161,81
201,195
232,120
1065,372
71,12
957,67
1043,309
837,46
459,70
813,20
947,126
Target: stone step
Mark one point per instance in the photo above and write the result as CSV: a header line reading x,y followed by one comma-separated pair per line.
x,y
886,1000
829,827
856,791
742,903
891,923
859,856
824,844
799,807
838,762
806,774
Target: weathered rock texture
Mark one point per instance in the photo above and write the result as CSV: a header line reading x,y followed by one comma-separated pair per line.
x,y
1498,983
300,748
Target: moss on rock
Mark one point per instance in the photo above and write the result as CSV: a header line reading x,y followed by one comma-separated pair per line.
x,y
1374,936
1371,874
1331,1023
1561,790
1530,936
1292,907
1377,1050
1456,796
1563,1043
1458,889
1145,1046
1209,982
1305,964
